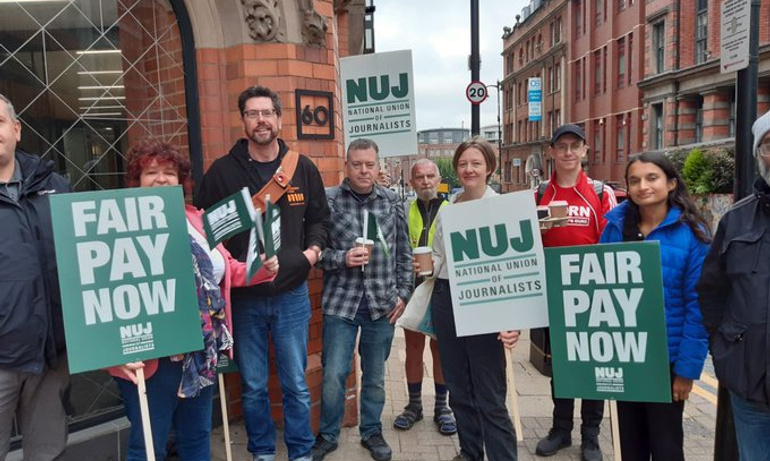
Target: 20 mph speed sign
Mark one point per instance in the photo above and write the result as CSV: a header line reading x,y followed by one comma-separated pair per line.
x,y
476,92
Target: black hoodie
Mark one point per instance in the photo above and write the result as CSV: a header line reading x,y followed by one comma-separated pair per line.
x,y
305,217
31,327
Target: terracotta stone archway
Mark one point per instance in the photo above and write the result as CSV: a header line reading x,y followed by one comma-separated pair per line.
x,y
285,45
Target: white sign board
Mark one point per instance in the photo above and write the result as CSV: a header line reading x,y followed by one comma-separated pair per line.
x,y
378,101
496,268
734,39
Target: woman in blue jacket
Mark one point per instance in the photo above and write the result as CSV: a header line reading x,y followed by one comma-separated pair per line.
x,y
659,208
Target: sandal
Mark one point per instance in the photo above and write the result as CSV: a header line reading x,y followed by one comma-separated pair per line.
x,y
445,421
406,420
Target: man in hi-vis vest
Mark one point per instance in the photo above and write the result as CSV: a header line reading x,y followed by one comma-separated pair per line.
x,y
421,215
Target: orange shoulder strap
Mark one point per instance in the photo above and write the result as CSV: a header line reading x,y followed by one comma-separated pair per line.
x,y
277,185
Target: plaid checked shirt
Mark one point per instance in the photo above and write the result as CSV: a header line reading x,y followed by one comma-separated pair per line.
x,y
384,279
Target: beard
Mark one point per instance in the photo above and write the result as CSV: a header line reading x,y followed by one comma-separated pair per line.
x,y
263,141
427,194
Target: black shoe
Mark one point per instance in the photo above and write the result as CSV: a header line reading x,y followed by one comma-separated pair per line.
x,y
377,447
589,449
322,447
553,442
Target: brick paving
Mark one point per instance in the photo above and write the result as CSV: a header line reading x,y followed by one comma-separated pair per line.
x,y
424,443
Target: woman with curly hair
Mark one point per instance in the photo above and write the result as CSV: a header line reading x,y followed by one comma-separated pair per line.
x,y
180,388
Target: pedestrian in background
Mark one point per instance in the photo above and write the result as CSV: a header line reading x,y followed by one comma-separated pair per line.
x,y
474,366
660,209
735,301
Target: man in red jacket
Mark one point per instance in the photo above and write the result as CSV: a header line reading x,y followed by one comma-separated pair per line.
x,y
585,224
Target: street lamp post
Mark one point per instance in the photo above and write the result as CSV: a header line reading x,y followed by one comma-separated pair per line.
x,y
499,135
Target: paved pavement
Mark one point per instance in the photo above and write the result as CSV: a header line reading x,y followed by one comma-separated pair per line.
x,y
424,443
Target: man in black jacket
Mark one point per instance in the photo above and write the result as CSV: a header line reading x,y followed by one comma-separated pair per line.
x,y
280,308
734,295
33,365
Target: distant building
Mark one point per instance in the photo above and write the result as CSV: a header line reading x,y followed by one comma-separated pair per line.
x,y
635,75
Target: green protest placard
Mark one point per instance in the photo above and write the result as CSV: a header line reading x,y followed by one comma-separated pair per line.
x,y
607,322
125,270
272,229
228,217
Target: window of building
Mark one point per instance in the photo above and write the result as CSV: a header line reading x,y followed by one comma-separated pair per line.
x,y
598,72
605,68
578,80
731,117
701,32
557,117
557,31
621,5
599,8
557,77
620,130
578,18
659,44
630,58
621,62
699,119
598,128
88,79
657,126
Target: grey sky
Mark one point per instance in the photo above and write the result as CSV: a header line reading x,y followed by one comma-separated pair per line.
x,y
438,33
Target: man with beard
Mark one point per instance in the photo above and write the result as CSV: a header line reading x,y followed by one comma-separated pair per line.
x,y
33,362
421,215
280,309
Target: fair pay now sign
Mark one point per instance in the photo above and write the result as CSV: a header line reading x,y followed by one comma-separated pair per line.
x,y
125,270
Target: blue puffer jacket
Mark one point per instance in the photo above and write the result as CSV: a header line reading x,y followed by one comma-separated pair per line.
x,y
682,257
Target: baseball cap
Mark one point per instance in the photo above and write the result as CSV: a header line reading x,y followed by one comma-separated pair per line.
x,y
567,129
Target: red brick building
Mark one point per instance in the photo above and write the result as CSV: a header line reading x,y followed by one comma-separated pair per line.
x,y
588,54
637,76
687,101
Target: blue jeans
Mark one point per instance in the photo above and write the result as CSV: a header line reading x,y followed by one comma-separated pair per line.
x,y
339,341
284,318
190,417
752,428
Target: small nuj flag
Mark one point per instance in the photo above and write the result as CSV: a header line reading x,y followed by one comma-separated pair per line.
x,y
373,231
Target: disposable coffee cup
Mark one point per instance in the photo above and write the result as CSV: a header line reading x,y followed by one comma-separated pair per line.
x,y
558,209
543,212
369,244
424,257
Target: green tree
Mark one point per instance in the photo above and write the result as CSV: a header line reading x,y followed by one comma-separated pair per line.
x,y
447,171
697,172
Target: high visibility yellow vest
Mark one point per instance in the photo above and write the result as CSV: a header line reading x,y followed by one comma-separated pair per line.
x,y
415,224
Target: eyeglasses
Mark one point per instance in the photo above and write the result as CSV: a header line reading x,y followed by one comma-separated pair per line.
x,y
764,150
254,114
563,147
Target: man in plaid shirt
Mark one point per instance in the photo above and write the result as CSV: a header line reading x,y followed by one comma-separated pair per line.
x,y
363,289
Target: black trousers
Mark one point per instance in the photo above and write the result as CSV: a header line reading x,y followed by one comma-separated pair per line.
x,y
474,371
591,411
651,430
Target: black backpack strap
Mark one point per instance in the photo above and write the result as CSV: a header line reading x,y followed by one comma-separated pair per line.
x,y
599,189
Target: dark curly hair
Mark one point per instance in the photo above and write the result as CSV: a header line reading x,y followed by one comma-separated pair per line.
x,y
259,92
148,150
678,197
